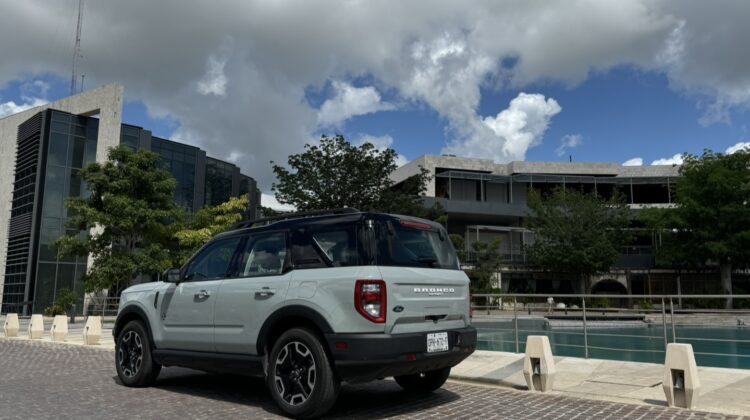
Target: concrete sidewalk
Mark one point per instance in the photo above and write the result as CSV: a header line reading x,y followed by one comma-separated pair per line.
x,y
75,332
724,391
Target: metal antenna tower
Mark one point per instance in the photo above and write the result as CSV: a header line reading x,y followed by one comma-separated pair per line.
x,y
77,50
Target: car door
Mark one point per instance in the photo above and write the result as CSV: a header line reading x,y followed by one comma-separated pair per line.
x,y
246,301
187,310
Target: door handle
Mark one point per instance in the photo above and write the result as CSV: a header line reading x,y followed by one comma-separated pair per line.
x,y
265,291
203,294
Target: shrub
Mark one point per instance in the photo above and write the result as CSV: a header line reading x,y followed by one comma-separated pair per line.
x,y
599,303
646,304
54,310
66,299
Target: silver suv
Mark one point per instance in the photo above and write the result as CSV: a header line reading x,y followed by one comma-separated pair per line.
x,y
306,301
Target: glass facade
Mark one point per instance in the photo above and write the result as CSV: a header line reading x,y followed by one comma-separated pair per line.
x,y
71,145
219,181
130,136
181,161
53,147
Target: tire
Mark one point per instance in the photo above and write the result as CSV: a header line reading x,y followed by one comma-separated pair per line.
x,y
425,382
300,378
133,361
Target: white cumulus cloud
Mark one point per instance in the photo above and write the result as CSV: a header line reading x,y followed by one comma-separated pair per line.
x,y
569,141
737,147
513,131
214,82
11,107
33,94
249,95
674,160
636,161
350,101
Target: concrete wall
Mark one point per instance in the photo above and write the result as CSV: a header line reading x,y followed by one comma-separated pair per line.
x,y
106,101
552,168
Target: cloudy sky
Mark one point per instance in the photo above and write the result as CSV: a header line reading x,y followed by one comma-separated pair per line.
x,y
633,82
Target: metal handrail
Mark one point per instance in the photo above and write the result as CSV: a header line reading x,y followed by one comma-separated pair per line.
x,y
103,306
613,296
664,315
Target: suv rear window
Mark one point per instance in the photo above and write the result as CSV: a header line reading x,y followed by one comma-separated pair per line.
x,y
413,244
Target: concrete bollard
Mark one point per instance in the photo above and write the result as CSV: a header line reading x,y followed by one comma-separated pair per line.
x,y
59,329
92,331
681,384
11,325
538,364
36,327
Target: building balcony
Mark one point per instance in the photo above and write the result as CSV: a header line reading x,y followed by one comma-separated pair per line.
x,y
482,208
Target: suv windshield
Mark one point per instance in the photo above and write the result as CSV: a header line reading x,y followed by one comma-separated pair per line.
x,y
414,244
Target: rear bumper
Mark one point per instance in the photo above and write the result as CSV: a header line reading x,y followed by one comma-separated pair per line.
x,y
371,356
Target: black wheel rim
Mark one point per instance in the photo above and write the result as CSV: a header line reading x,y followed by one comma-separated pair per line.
x,y
130,354
295,373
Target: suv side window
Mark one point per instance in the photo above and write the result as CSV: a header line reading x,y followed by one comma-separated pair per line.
x,y
265,255
214,262
338,245
330,246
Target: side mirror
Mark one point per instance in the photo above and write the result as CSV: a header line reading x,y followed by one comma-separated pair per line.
x,y
172,275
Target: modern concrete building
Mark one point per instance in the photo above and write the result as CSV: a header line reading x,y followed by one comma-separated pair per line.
x,y
43,151
485,200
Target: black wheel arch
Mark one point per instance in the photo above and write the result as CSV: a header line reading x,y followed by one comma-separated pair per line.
x,y
132,313
290,317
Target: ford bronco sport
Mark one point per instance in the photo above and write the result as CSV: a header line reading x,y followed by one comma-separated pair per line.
x,y
306,301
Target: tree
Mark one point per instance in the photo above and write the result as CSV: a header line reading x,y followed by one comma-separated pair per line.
x,y
336,174
487,263
198,228
711,220
576,233
459,244
127,212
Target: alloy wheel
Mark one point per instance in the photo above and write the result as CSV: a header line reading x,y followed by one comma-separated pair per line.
x,y
295,373
130,354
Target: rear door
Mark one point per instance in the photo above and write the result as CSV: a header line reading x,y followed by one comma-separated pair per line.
x,y
245,302
421,271
187,309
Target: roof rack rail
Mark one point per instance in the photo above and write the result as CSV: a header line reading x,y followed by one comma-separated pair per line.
x,y
289,216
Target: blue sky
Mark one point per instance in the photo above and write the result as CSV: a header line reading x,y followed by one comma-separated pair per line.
x,y
620,114
253,81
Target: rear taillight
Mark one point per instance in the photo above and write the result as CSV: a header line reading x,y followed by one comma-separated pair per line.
x,y
471,308
370,299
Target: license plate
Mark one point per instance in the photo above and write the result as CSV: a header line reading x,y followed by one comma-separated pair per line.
x,y
437,342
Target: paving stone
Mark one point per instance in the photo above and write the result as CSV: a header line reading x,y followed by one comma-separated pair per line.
x,y
44,380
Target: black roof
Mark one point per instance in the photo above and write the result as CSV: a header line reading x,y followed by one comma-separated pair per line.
x,y
317,217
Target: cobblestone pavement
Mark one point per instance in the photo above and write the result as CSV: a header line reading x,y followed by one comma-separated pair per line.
x,y
52,381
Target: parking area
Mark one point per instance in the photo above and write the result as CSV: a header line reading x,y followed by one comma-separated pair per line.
x,y
43,380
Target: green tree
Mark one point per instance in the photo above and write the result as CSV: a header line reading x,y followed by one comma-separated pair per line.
x,y
459,244
127,212
576,233
64,301
486,264
198,228
711,220
336,174
66,298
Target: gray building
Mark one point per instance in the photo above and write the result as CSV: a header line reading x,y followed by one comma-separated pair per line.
x,y
43,152
485,200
